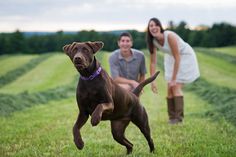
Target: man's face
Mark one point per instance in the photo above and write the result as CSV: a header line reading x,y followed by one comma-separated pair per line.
x,y
125,43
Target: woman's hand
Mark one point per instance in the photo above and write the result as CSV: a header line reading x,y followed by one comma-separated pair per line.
x,y
172,83
154,88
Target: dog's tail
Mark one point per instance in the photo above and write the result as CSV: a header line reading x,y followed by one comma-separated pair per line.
x,y
139,88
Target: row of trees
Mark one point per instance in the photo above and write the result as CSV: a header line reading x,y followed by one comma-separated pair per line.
x,y
218,35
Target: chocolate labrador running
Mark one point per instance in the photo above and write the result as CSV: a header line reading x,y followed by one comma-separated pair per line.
x,y
101,98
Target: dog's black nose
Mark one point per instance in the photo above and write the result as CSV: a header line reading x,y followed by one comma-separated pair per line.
x,y
77,60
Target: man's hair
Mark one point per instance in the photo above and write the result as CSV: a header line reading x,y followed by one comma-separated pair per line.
x,y
126,34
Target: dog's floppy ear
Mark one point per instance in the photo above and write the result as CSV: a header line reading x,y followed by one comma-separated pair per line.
x,y
96,46
66,48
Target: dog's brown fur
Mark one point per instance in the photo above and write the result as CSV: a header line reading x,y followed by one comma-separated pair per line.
x,y
103,99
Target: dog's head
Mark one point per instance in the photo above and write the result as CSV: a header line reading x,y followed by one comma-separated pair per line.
x,y
82,53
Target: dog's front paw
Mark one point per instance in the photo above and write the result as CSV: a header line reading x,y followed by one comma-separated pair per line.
x,y
95,120
79,144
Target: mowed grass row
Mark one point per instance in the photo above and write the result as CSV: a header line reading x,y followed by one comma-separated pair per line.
x,y
46,130
51,73
217,71
10,62
230,50
12,75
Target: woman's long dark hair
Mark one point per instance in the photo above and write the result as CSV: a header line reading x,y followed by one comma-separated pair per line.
x,y
149,37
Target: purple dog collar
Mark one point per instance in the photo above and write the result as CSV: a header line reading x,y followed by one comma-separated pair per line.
x,y
91,77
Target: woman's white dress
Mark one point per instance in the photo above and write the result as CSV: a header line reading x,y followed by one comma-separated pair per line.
x,y
188,68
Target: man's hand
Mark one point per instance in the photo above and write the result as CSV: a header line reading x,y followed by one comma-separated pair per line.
x,y
133,84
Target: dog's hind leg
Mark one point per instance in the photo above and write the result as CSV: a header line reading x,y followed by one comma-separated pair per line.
x,y
118,129
140,119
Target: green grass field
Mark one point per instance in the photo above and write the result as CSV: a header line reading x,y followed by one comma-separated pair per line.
x,y
8,63
45,129
226,50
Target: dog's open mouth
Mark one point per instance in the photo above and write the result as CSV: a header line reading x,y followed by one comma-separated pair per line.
x,y
79,66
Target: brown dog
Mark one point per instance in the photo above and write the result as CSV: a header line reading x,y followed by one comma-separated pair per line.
x,y
101,98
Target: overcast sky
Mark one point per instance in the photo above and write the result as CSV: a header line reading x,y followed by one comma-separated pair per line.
x,y
74,15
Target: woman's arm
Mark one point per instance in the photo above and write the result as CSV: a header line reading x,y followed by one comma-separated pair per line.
x,y
175,52
153,63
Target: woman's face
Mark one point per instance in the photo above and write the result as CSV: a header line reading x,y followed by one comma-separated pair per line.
x,y
154,29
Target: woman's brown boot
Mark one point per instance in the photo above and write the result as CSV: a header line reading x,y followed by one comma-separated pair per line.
x,y
171,110
179,108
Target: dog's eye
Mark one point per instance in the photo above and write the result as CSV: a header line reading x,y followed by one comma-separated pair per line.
x,y
85,50
75,50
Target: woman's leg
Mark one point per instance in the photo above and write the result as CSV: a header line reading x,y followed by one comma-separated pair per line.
x,y
177,89
169,91
170,105
178,101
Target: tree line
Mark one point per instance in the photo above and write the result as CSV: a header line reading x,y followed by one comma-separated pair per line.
x,y
218,35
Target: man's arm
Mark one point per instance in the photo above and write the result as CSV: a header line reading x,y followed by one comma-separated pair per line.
x,y
141,78
114,68
122,80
